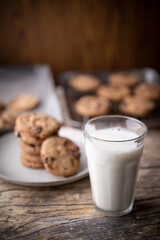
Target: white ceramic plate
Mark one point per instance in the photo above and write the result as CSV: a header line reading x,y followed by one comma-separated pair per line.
x,y
12,170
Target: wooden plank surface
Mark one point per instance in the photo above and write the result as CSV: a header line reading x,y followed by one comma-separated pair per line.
x,y
67,212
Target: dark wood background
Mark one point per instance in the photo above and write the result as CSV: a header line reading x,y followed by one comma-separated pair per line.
x,y
80,34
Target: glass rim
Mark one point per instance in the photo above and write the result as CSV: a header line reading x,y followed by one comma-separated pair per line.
x,y
115,116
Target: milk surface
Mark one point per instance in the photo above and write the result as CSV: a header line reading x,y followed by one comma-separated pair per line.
x,y
113,167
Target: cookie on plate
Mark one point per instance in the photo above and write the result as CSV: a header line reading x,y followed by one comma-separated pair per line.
x,y
60,156
92,106
7,119
148,91
31,164
23,102
37,125
1,105
30,148
114,94
84,82
26,138
123,79
135,106
31,158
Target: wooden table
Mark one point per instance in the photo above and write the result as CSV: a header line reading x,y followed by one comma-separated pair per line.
x,y
67,212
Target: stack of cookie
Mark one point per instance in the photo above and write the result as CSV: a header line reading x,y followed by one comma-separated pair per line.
x,y
33,129
42,147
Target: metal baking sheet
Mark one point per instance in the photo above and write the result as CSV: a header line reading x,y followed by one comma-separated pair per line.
x,y
148,75
36,80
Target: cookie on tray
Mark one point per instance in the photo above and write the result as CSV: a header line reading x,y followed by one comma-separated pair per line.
x,y
114,94
30,148
135,106
148,91
60,156
84,82
1,105
23,102
7,119
92,106
37,125
123,79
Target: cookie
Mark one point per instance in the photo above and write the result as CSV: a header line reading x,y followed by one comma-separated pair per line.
x,y
37,125
7,119
26,138
23,102
31,158
114,94
123,79
30,148
136,106
148,91
60,156
30,164
92,106
1,106
84,82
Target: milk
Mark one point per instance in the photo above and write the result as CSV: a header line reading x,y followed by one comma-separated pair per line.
x,y
113,167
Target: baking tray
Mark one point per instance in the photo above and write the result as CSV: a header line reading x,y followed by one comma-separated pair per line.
x,y
148,75
37,80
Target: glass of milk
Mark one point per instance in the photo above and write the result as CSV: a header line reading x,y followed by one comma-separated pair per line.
x,y
114,146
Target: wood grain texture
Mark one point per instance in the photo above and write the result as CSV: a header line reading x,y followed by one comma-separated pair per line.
x,y
67,212
80,34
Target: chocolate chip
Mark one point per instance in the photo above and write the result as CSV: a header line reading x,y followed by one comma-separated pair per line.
x,y
52,159
5,121
76,154
32,145
38,130
18,134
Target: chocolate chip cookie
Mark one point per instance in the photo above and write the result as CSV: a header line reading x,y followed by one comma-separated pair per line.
x,y
148,91
23,102
30,148
30,164
26,138
84,82
123,79
114,94
37,125
7,119
92,106
31,157
60,156
135,106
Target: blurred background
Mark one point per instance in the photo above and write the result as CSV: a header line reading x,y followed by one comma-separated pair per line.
x,y
80,34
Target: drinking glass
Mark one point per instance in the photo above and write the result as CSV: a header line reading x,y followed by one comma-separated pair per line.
x,y
113,161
